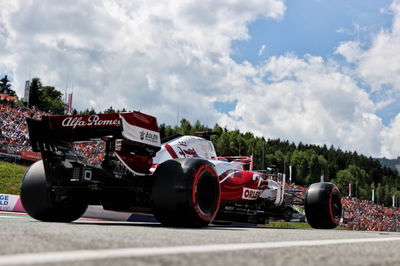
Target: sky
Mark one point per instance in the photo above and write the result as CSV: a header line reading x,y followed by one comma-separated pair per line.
x,y
315,71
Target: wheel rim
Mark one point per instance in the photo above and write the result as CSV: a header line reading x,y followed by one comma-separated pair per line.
x,y
206,193
335,206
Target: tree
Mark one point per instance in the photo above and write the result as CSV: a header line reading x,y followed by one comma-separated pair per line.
x,y
34,92
360,174
218,129
221,144
280,160
299,162
110,110
50,100
198,127
92,111
45,98
5,87
315,170
343,179
380,194
185,127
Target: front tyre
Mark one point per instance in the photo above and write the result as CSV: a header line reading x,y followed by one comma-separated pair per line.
x,y
323,206
39,200
186,193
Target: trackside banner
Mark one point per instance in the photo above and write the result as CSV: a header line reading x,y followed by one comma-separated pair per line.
x,y
31,156
10,203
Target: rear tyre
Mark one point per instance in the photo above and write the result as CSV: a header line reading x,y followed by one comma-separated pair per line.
x,y
186,193
323,206
39,200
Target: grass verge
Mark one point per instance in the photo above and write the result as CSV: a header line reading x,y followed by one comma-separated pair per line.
x,y
296,225
288,225
10,177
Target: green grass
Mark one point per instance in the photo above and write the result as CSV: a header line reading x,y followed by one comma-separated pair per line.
x,y
10,177
288,225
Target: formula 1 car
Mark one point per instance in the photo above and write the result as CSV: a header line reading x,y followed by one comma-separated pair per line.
x,y
181,181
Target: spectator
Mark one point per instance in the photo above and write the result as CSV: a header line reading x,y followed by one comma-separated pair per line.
x,y
13,129
365,215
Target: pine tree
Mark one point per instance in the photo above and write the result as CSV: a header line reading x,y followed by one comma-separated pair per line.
x,y
5,86
34,92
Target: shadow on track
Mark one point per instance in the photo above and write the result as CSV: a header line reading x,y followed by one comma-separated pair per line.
x,y
219,227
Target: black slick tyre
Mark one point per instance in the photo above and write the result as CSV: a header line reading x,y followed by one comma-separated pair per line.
x,y
323,206
39,201
186,193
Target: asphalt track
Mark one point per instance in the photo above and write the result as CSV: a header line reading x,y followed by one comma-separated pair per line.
x,y
98,242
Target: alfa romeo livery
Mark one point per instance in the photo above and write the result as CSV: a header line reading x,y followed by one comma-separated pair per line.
x,y
180,180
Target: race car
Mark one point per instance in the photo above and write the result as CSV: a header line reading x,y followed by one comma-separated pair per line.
x,y
180,180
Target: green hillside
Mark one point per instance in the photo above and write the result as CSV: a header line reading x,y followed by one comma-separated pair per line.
x,y
393,164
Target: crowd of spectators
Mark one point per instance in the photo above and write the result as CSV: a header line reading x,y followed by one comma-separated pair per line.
x,y
92,152
13,129
298,192
14,137
366,215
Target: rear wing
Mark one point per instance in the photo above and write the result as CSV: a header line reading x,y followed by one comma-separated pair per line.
x,y
61,130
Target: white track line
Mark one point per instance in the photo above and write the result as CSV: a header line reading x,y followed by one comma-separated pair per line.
x,y
84,255
11,217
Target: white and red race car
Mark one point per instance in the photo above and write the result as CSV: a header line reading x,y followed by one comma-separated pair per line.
x,y
181,180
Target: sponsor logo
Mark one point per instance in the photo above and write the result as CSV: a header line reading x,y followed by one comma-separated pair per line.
x,y
182,143
188,153
4,200
150,137
94,120
250,194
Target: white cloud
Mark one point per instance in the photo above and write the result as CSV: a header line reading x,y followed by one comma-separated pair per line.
x,y
164,56
309,100
378,64
350,50
262,50
391,140
147,55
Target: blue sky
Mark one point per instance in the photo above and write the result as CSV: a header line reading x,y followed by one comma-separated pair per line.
x,y
313,27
